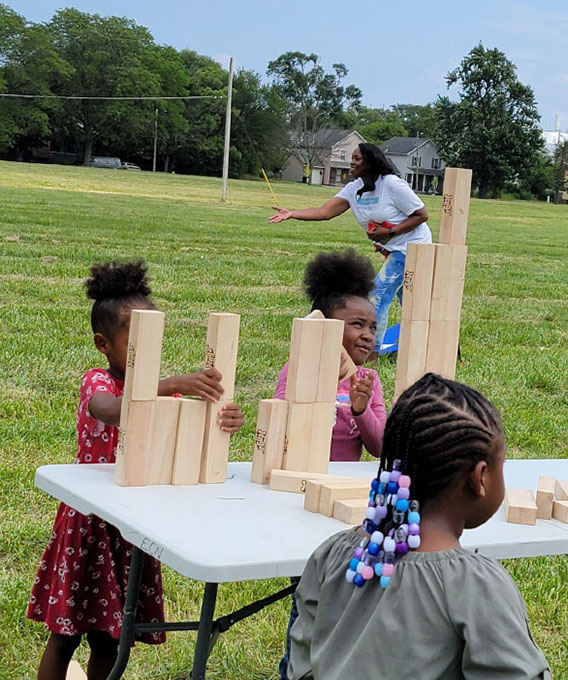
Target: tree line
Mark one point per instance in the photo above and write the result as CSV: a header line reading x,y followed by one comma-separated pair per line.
x,y
491,126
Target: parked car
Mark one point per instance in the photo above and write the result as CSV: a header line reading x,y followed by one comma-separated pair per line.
x,y
130,166
106,162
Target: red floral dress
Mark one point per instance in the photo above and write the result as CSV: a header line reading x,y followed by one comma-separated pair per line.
x,y
81,582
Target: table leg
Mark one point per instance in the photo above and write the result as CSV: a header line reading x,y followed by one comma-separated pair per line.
x,y
204,632
129,614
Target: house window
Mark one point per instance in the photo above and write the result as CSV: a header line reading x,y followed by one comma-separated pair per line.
x,y
416,161
342,154
435,163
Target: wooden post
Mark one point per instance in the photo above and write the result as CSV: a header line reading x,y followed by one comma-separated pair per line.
x,y
455,206
227,145
304,361
269,439
189,441
163,440
215,454
144,354
133,448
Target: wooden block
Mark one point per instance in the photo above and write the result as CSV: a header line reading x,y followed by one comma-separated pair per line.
x,y
144,355
347,366
308,436
442,351
340,491
133,448
330,360
222,346
560,510
312,498
412,348
448,282
269,439
304,362
417,281
545,497
215,454
561,489
350,511
295,481
520,506
189,441
163,440
455,206
75,672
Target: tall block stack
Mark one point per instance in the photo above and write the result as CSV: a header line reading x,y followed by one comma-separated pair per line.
x,y
295,433
168,440
433,289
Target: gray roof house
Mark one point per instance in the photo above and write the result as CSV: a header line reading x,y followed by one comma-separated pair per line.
x,y
416,160
332,158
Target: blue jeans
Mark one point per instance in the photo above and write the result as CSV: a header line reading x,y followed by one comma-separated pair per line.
x,y
388,284
283,667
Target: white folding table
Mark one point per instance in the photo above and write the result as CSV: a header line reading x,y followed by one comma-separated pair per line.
x,y
235,531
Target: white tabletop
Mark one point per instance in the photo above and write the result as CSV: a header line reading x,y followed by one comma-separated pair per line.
x,y
238,530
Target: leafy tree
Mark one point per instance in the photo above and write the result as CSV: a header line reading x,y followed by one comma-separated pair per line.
x,y
29,64
492,129
376,125
108,57
316,100
417,120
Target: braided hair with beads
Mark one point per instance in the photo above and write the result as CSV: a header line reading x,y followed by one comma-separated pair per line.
x,y
437,430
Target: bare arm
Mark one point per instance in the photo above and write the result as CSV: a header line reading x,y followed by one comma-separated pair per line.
x,y
106,407
334,207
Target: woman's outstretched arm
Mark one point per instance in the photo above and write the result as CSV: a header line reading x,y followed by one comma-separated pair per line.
x,y
334,207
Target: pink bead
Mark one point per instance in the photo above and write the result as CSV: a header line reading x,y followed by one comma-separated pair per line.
x,y
388,569
367,572
404,481
403,492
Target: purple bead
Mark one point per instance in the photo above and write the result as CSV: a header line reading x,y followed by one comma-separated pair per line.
x,y
395,475
380,513
403,493
358,553
414,529
404,527
402,548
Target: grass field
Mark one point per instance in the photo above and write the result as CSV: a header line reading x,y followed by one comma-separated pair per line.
x,y
206,256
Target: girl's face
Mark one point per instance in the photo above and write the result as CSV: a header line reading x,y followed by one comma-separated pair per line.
x,y
358,165
359,330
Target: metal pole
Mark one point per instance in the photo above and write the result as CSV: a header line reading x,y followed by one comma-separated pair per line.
x,y
155,141
227,134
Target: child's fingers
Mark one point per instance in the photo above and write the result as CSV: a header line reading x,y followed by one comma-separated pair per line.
x,y
230,418
212,373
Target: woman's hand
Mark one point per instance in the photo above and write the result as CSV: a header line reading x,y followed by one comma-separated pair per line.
x,y
360,392
230,418
281,215
380,234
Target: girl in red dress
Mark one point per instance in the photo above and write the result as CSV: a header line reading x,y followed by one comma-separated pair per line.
x,y
80,587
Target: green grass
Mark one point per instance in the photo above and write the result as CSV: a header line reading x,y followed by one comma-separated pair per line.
x,y
207,256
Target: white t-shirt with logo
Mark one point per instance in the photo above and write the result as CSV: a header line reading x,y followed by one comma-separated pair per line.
x,y
391,201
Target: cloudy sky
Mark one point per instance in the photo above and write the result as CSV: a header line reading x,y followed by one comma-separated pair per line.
x,y
396,52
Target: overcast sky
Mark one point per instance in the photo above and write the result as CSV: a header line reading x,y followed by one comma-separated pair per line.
x,y
396,52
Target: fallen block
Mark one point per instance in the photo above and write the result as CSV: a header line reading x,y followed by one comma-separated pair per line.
x,y
560,511
350,511
341,491
293,481
545,497
520,506
312,499
269,439
561,489
189,441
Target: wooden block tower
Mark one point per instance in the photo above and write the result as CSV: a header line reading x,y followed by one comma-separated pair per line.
x,y
295,433
433,290
168,440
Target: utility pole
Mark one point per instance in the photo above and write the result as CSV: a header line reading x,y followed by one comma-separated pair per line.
x,y
155,141
227,134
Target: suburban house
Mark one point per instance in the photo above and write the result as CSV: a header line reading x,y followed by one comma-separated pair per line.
x,y
331,158
416,160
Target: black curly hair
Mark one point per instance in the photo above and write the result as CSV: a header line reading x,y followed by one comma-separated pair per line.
x,y
332,277
377,165
116,287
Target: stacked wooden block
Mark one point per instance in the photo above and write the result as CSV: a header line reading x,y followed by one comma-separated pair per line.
x,y
433,289
344,498
551,502
169,440
295,433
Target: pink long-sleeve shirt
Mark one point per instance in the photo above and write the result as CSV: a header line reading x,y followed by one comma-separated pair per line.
x,y
351,433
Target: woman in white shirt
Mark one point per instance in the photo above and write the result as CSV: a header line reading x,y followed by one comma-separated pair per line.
x,y
391,215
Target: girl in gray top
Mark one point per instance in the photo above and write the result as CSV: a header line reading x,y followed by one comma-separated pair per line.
x,y
443,613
